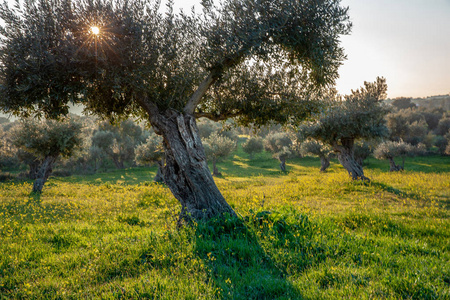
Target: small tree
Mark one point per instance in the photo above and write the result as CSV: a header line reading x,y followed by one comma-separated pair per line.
x,y
47,140
391,149
252,146
218,147
317,148
150,152
206,127
359,116
279,144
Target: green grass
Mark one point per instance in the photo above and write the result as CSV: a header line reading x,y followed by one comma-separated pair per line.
x,y
301,235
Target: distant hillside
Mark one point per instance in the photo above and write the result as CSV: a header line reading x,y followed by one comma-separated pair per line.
x,y
440,101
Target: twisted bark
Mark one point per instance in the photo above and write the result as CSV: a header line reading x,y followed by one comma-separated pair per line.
x,y
393,166
282,164
347,159
186,170
44,172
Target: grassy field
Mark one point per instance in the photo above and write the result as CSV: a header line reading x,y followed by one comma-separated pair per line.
x,y
302,235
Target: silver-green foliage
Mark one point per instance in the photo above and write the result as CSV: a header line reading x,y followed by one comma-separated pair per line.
x,y
218,147
149,152
359,115
44,142
246,52
279,144
118,142
314,148
253,145
44,138
392,149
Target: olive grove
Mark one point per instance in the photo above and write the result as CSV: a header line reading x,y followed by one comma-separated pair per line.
x,y
251,60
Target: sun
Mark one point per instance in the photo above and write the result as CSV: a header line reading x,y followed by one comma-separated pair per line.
x,y
95,30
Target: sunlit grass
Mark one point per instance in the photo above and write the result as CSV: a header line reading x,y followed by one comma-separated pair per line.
x,y
303,234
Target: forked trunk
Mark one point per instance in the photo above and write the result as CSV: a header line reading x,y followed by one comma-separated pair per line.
x,y
325,163
34,169
393,166
346,158
186,171
44,172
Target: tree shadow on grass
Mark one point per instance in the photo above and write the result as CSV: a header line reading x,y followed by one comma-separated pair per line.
x,y
392,190
253,258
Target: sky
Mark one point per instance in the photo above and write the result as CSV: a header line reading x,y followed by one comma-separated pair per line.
x,y
405,41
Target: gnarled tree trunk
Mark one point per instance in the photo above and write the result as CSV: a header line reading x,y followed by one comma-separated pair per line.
x,y
186,171
44,172
346,158
325,163
393,166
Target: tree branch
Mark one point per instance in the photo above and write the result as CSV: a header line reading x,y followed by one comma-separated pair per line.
x,y
151,109
199,93
216,117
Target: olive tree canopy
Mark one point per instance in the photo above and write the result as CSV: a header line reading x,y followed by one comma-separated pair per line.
x,y
253,60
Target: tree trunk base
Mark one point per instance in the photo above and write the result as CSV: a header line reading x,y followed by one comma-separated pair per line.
x,y
325,163
393,167
347,160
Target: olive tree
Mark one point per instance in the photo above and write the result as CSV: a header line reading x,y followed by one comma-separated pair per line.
x,y
150,152
319,149
359,115
45,141
218,147
391,149
280,145
251,60
253,145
